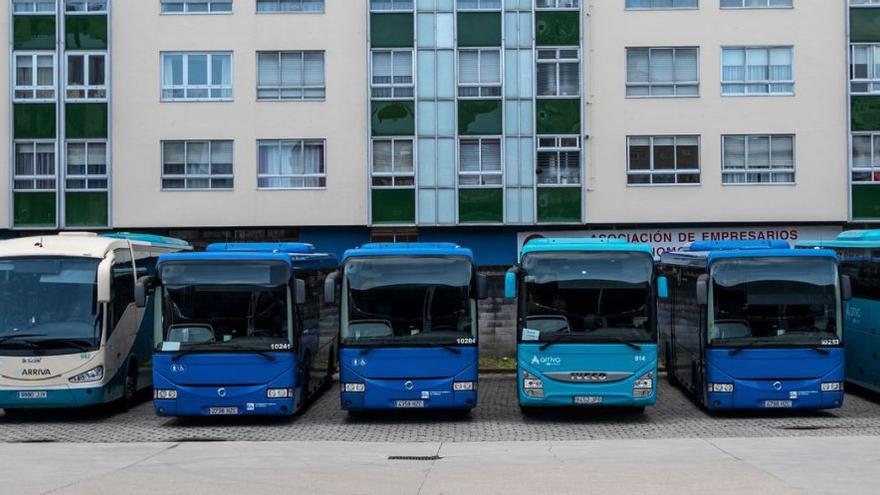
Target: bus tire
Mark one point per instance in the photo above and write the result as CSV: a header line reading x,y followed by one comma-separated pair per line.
x,y
331,365
129,388
527,410
14,413
670,369
637,409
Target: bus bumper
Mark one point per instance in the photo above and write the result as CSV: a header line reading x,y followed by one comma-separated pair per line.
x,y
409,394
33,398
775,394
233,400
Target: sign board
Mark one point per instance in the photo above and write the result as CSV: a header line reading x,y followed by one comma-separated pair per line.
x,y
676,239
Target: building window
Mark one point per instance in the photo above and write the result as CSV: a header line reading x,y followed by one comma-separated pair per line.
x,y
652,72
865,69
386,235
196,6
756,4
86,168
758,159
86,76
86,6
661,4
757,71
386,5
479,73
557,4
33,6
663,160
866,158
291,164
200,165
480,4
34,166
34,76
856,3
196,76
290,5
393,163
479,162
392,74
290,76
559,161
558,72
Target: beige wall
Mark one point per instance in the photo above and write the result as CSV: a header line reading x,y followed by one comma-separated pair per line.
x,y
6,121
140,121
816,115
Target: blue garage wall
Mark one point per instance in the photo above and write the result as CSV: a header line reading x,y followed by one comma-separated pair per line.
x,y
335,240
491,246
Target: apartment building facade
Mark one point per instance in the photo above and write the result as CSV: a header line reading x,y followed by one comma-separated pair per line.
x,y
483,122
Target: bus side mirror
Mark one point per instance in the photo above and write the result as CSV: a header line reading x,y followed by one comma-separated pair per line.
x,y
845,287
482,287
703,290
330,288
300,291
510,282
662,287
142,289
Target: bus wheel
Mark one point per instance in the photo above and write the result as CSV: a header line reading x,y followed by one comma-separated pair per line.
x,y
637,410
129,392
527,410
331,365
14,413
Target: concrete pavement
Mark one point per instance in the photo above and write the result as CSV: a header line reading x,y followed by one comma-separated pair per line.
x,y
720,466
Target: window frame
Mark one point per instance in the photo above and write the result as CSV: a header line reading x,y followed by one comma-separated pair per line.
x,y
480,174
873,62
747,83
35,11
86,87
558,148
695,7
393,86
279,143
185,4
185,176
35,177
751,170
86,177
557,61
650,85
652,171
87,10
479,85
33,88
393,175
411,7
556,6
755,7
479,7
293,11
302,89
185,86
874,170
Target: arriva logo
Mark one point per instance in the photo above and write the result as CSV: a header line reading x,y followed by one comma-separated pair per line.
x,y
35,372
546,361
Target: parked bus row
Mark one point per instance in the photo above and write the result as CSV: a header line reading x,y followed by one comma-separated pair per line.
x,y
260,328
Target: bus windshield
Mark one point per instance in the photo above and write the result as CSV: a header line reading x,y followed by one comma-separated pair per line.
x,y
588,297
408,300
49,304
774,301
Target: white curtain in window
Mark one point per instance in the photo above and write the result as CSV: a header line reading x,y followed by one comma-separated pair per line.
x,y
382,156
402,70
782,148
221,70
637,69
662,66
24,159
24,70
861,151
780,64
172,70
45,70
313,158
759,151
45,163
76,159
734,152
491,149
469,155
860,61
490,66
758,61
268,70
197,158
382,68
734,61
468,67
686,65
403,156
313,62
569,79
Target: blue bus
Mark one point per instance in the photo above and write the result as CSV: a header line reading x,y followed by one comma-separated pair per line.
x,y
241,329
754,325
408,326
586,323
859,253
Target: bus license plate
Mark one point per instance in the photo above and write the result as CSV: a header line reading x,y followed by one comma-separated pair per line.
x,y
409,404
33,395
587,400
778,404
222,411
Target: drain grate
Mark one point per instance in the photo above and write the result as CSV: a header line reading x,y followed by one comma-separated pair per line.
x,y
414,458
35,440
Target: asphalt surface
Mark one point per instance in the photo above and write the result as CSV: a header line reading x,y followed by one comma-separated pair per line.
x,y
496,419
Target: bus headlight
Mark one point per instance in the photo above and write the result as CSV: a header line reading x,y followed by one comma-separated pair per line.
x,y
644,385
721,388
532,385
832,387
164,394
93,375
464,386
279,393
354,387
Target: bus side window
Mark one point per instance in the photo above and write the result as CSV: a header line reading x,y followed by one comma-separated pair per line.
x,y
121,288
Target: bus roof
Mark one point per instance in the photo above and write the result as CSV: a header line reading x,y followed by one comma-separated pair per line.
x,y
583,244
850,239
298,256
706,253
262,247
409,249
82,244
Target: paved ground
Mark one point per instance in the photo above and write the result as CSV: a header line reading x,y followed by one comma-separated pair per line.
x,y
496,419
681,466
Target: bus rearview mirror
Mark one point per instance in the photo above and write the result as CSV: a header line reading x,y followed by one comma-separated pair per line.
x,y
300,291
845,287
330,288
662,287
703,290
482,287
510,280
142,288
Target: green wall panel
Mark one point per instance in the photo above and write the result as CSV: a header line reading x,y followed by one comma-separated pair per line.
x,y
34,120
864,25
391,30
479,29
85,120
480,117
33,32
85,32
34,209
85,209
865,113
866,202
393,118
557,28
559,204
559,116
394,206
482,205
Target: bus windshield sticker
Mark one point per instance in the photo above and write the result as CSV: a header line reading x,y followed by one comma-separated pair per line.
x,y
529,334
170,346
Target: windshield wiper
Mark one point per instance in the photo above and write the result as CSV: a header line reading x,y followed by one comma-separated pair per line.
x,y
6,338
193,349
75,343
619,340
736,350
